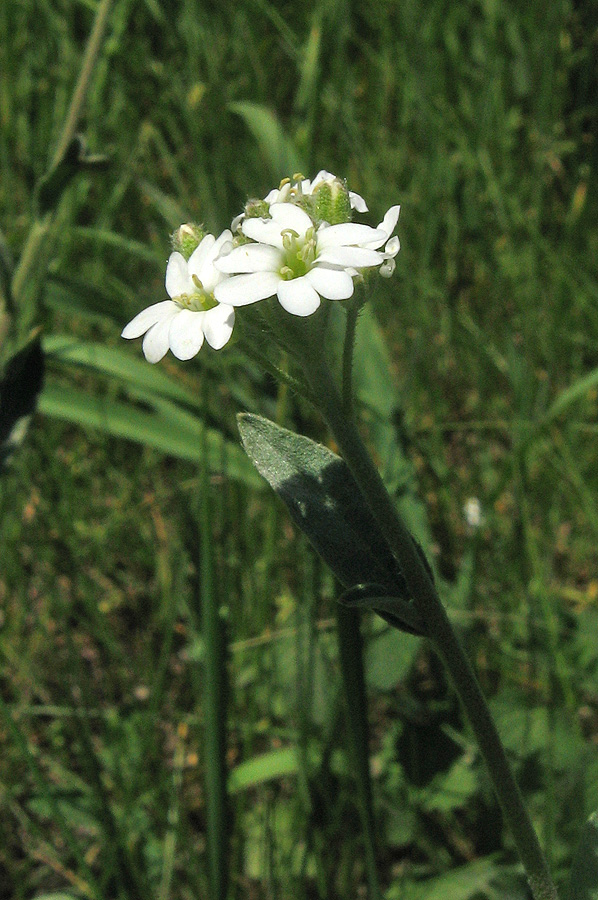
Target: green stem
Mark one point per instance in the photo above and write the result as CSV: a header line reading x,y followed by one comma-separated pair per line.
x,y
347,379
436,622
215,698
352,668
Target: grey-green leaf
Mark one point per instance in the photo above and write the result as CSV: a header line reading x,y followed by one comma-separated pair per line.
x,y
325,502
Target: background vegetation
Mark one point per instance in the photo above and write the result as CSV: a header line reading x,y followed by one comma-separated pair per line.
x,y
480,118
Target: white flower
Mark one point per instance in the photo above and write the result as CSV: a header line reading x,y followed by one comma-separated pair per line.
x,y
181,323
297,261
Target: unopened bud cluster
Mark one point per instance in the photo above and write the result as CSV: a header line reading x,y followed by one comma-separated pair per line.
x,y
186,239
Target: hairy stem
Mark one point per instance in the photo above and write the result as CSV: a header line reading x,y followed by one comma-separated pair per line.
x,y
437,625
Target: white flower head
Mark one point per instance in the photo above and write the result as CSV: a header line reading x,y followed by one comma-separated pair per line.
x,y
192,314
299,261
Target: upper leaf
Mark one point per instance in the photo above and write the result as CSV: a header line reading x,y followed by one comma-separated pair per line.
x,y
325,502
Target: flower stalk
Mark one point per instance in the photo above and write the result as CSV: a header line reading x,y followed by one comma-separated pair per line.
x,y
437,625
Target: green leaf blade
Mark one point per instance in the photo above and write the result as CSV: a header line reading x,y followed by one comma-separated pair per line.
x,y
166,428
324,501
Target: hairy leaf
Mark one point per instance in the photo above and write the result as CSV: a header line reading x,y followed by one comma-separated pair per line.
x,y
325,502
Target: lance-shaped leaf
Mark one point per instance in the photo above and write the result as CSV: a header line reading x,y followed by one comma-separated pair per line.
x,y
324,500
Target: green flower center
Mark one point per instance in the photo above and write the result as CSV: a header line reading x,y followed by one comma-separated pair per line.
x,y
299,253
199,301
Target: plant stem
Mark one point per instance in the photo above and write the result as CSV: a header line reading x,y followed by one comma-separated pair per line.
x,y
215,698
436,622
352,667
349,346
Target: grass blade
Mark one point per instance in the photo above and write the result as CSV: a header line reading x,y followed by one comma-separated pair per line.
x,y
167,428
278,150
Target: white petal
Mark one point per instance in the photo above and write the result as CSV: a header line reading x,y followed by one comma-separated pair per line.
x,y
147,318
334,284
155,343
358,257
265,231
273,196
323,175
287,215
178,280
221,247
298,296
186,333
348,233
218,325
392,247
357,202
200,255
250,258
209,274
240,290
387,225
223,239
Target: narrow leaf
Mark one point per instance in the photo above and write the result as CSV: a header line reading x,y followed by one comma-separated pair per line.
x,y
265,767
167,428
134,371
277,149
74,160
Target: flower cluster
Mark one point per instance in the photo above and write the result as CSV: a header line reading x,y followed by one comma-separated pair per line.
x,y
298,244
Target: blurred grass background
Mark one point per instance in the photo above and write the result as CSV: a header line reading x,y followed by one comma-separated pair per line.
x,y
479,117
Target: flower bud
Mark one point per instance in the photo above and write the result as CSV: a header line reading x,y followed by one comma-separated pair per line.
x,y
332,203
186,239
257,209
387,268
